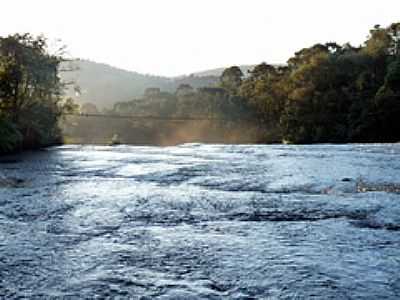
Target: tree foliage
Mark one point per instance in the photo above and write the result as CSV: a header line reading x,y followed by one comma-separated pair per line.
x,y
30,92
332,93
325,93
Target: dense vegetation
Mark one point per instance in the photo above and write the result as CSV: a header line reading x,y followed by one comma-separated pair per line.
x,y
30,93
208,114
329,92
325,93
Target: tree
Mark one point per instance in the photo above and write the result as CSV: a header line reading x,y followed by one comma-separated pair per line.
x,y
70,107
231,79
89,108
379,42
394,32
30,89
184,89
264,92
30,74
392,79
10,136
387,103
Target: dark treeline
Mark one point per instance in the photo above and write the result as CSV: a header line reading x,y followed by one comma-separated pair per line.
x,y
208,114
30,94
330,93
325,93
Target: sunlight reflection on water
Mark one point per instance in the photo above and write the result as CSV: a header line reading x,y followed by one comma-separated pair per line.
x,y
202,222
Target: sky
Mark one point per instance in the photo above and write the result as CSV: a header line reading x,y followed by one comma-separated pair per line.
x,y
177,37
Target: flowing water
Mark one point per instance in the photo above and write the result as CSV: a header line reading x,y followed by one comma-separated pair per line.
x,y
201,222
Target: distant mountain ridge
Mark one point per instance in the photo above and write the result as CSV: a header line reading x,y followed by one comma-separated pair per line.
x,y
105,85
218,71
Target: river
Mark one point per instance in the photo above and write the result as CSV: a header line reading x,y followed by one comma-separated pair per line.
x,y
201,221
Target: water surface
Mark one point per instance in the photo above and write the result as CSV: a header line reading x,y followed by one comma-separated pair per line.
x,y
202,222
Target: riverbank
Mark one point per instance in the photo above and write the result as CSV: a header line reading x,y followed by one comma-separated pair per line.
x,y
21,149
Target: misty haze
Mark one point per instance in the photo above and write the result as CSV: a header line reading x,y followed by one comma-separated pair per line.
x,y
199,149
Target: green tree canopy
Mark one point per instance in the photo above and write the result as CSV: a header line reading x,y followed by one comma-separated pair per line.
x,y
30,89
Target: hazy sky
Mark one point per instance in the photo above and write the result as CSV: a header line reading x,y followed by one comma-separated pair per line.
x,y
174,37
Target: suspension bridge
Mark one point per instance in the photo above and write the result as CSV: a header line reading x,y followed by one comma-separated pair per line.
x,y
151,117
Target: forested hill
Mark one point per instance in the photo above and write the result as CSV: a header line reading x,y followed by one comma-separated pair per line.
x,y
105,85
